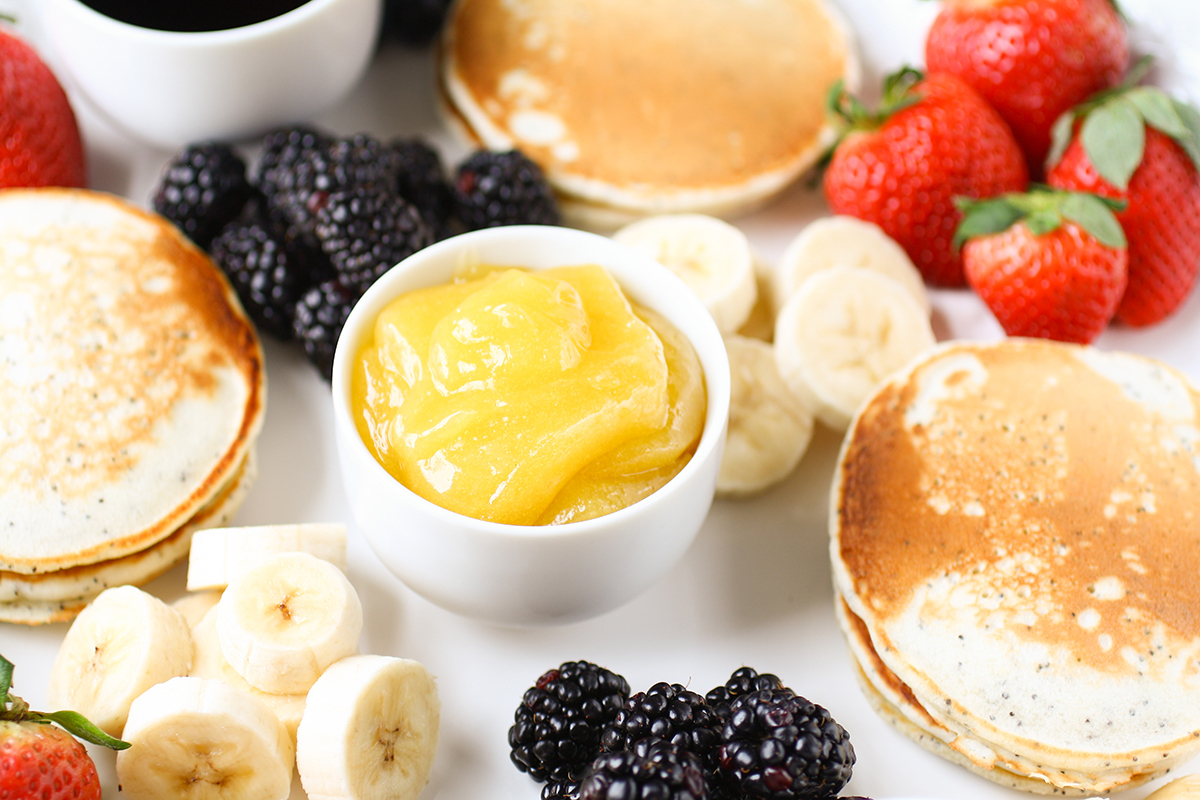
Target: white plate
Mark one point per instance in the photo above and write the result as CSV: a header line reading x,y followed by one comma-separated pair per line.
x,y
755,588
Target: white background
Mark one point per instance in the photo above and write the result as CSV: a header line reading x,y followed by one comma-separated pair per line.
x,y
755,588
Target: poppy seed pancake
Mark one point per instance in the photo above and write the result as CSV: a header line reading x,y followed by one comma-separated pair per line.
x,y
133,384
1015,526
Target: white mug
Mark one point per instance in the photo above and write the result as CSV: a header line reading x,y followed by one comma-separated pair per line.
x,y
170,88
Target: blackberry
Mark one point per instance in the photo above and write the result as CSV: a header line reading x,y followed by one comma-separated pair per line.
x,y
650,770
558,723
780,746
421,180
202,188
301,189
414,22
742,681
282,148
267,276
493,189
669,712
365,231
563,782
317,322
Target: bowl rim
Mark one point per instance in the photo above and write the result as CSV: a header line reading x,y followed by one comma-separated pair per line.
x,y
360,321
85,14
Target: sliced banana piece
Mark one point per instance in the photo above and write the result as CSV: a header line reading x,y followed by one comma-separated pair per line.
x,y
119,646
218,555
370,730
194,605
848,242
209,662
761,322
1185,788
711,256
841,333
769,427
200,739
285,620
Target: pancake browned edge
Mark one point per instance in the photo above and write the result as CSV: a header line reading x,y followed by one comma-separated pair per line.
x,y
133,388
636,108
1014,534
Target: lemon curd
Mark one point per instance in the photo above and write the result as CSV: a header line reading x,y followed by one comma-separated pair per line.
x,y
528,398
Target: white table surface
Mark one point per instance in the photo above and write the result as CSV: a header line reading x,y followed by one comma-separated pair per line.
x,y
755,588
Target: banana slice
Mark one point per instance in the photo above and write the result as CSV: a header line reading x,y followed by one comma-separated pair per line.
x,y
199,739
194,605
710,255
849,242
285,620
119,646
1185,788
370,730
841,333
769,428
209,662
218,555
761,322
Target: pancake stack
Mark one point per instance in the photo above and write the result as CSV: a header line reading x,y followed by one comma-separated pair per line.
x,y
635,108
1016,550
132,392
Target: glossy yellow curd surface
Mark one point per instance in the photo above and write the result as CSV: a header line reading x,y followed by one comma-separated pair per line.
x,y
528,398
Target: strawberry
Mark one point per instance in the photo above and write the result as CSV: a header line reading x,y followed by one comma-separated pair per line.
x,y
1138,145
901,167
1031,59
1049,264
39,138
40,760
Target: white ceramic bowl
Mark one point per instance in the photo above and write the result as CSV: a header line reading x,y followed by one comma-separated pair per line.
x,y
170,88
532,575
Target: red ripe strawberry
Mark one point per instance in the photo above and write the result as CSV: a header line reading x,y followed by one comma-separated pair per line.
x,y
933,139
38,760
39,138
1031,59
1138,145
1049,264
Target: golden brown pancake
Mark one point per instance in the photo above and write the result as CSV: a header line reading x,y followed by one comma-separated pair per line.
x,y
1016,526
133,385
649,107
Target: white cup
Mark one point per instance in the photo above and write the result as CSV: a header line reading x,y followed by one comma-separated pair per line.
x,y
532,575
170,88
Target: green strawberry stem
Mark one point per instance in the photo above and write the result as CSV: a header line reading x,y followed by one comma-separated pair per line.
x,y
1112,126
1042,210
850,114
14,709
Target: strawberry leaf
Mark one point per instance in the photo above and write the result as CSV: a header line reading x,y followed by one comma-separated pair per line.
x,y
1095,215
1043,220
984,217
1190,142
896,89
1060,137
6,672
1157,110
1114,138
78,725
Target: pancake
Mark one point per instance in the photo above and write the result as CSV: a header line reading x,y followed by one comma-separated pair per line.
x,y
60,596
73,587
1015,526
636,108
133,387
893,700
